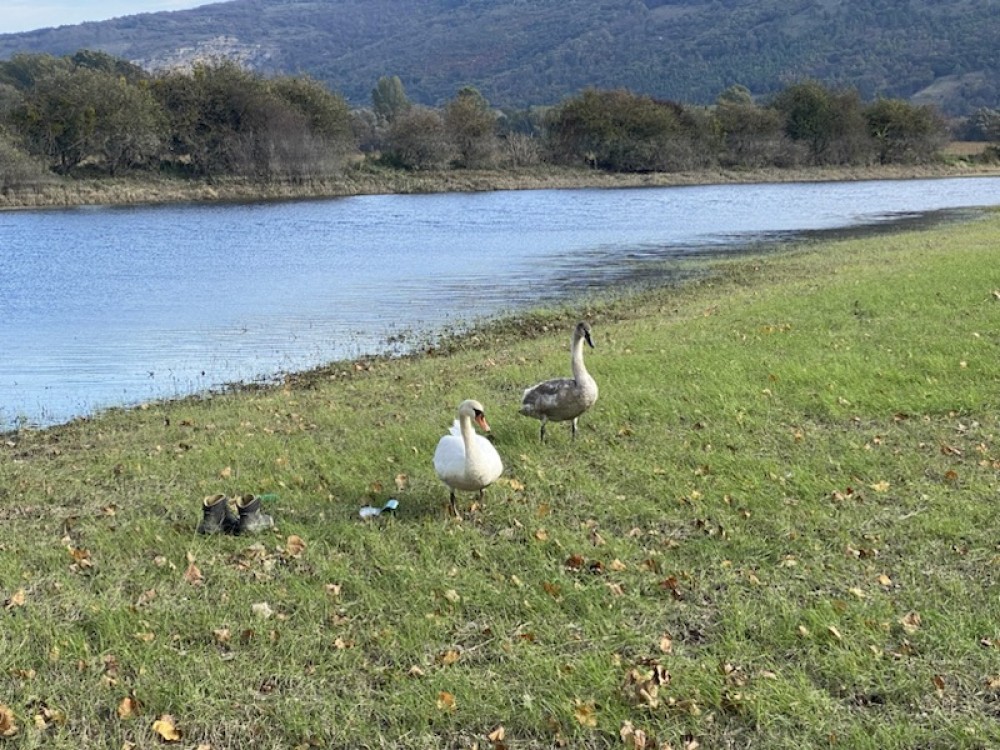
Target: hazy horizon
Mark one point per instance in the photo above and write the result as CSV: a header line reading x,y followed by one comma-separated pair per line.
x,y
29,15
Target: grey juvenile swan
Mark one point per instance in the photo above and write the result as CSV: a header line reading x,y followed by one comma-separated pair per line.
x,y
562,399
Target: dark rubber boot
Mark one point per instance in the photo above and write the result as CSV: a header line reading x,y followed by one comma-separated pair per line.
x,y
252,519
216,517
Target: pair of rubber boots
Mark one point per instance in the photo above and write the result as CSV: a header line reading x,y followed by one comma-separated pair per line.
x,y
217,518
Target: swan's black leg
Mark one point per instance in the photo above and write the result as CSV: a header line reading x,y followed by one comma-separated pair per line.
x,y
454,507
574,428
541,434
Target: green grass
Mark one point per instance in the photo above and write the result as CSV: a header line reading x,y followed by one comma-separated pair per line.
x,y
779,520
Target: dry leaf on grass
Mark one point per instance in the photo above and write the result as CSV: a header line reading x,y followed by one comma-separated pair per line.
x,y
585,712
295,546
634,739
449,657
128,707
8,727
910,622
193,575
167,729
446,701
222,636
17,599
82,561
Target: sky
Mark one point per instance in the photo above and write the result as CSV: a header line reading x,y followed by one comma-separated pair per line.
x,y
25,15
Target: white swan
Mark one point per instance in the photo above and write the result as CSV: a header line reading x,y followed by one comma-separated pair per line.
x,y
564,399
465,460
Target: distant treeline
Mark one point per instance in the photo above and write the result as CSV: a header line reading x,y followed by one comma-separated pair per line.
x,y
94,114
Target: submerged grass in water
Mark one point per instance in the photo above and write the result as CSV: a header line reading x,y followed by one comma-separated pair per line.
x,y
776,529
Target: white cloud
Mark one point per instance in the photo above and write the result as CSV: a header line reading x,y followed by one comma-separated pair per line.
x,y
25,15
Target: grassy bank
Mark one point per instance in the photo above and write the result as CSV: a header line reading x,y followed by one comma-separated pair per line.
x,y
776,529
374,180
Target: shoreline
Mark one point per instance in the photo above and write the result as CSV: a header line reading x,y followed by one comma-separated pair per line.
x,y
547,179
158,190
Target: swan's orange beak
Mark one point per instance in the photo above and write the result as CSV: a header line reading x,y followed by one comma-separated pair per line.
x,y
481,421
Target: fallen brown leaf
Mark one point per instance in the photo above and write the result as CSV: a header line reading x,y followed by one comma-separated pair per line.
x,y
222,635
634,739
167,729
449,657
295,546
193,575
910,622
8,727
585,713
128,707
446,701
17,599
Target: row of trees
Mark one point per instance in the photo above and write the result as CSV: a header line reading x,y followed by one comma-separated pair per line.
x,y
805,124
91,111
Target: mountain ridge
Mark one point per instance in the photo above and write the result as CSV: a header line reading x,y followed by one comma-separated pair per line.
x,y
520,53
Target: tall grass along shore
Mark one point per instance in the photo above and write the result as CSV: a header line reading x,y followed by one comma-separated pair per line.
x,y
777,528
368,180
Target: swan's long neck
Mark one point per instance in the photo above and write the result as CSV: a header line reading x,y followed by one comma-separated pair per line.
x,y
468,438
580,374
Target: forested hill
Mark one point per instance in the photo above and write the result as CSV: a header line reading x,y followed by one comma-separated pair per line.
x,y
535,52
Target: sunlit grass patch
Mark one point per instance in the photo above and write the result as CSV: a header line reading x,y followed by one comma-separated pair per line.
x,y
775,528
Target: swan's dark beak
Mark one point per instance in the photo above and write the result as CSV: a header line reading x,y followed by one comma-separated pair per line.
x,y
589,340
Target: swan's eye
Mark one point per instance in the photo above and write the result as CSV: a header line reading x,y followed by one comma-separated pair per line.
x,y
478,413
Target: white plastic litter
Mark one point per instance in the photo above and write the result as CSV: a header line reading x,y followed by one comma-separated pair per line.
x,y
370,511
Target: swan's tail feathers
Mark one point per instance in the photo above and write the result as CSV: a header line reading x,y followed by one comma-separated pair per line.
x,y
456,428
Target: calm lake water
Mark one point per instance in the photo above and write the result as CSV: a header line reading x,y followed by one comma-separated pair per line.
x,y
109,306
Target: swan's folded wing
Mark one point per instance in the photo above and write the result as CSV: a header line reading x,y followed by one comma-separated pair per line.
x,y
546,395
